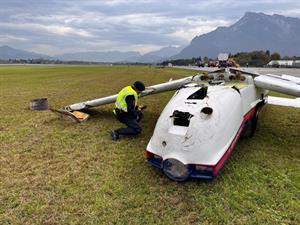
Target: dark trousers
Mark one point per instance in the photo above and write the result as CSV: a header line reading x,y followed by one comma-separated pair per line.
x,y
132,124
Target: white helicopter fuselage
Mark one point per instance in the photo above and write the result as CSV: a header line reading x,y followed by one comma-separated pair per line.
x,y
197,142
199,127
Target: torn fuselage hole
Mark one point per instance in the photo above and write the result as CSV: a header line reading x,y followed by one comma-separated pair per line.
x,y
207,110
236,88
181,118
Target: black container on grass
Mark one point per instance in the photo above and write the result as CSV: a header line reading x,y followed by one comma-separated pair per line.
x,y
39,104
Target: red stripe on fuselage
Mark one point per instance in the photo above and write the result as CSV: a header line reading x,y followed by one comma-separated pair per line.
x,y
221,162
247,116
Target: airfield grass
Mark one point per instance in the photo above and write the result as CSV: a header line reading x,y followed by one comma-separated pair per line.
x,y
53,171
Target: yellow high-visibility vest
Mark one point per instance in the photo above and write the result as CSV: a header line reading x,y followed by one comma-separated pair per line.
x,y
121,99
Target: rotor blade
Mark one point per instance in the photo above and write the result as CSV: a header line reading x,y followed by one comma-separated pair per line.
x,y
284,101
206,70
158,88
291,78
234,70
285,77
75,116
275,83
217,71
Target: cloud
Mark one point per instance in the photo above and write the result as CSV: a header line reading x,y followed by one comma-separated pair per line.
x,y
12,39
56,26
54,29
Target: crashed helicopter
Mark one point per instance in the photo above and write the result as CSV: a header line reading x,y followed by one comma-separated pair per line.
x,y
208,113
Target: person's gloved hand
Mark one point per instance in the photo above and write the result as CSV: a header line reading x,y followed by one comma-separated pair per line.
x,y
139,116
142,108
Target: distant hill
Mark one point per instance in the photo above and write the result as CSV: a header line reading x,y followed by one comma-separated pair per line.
x,y
254,31
7,52
117,56
157,56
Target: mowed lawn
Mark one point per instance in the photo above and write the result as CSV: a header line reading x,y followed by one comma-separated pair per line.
x,y
53,171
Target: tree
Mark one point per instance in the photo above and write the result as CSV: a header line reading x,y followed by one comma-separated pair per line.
x,y
275,56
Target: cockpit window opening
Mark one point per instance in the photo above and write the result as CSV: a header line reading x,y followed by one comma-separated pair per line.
x,y
199,94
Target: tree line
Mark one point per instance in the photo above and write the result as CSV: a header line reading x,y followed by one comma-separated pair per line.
x,y
51,61
254,59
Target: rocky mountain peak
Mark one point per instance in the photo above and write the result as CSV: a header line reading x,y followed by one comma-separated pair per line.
x,y
254,31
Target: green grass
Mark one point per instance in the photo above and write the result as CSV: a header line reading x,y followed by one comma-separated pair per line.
x,y
53,171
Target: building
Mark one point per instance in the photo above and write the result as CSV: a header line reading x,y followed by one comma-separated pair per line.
x,y
281,63
296,64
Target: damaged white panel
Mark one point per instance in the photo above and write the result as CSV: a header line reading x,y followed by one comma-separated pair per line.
x,y
178,130
198,141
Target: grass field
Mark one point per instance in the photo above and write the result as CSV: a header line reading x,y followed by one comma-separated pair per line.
x,y
53,171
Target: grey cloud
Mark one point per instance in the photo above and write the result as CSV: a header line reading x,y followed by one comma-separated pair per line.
x,y
120,24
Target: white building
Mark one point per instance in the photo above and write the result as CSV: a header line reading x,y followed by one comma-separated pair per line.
x,y
296,63
281,63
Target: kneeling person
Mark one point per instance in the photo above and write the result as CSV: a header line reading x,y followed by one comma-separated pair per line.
x,y
127,110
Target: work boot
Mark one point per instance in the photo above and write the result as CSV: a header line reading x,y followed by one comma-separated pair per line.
x,y
114,135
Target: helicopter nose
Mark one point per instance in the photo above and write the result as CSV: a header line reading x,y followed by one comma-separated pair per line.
x,y
176,170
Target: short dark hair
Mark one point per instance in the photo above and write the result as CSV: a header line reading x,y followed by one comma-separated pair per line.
x,y
139,85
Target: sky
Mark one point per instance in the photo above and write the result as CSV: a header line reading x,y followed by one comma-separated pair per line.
x,y
64,26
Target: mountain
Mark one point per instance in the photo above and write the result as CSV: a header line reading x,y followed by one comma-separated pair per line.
x,y
117,56
113,56
160,55
7,52
254,31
